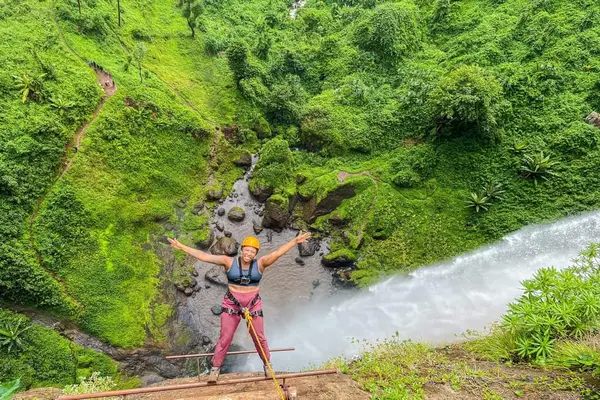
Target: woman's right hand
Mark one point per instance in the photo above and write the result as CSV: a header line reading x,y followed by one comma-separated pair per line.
x,y
175,243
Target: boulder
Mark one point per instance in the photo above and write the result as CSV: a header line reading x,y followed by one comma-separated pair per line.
x,y
306,249
216,275
276,214
244,160
221,211
236,214
257,227
214,194
333,199
205,243
225,246
339,259
260,192
593,119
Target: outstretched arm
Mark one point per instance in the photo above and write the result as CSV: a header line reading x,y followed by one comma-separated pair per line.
x,y
269,259
201,255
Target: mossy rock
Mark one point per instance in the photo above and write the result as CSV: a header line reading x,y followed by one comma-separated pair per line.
x,y
339,258
277,213
236,214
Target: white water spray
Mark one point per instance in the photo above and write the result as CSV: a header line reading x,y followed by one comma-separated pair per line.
x,y
433,304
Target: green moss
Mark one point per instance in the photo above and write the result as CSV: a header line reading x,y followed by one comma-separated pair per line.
x,y
48,359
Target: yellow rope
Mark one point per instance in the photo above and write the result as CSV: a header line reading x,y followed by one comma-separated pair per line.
x,y
248,318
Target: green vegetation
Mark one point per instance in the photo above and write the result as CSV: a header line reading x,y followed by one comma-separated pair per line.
x,y
44,358
555,321
396,112
432,100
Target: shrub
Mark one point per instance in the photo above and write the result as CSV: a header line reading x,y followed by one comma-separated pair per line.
x,y
11,334
93,384
468,100
556,305
392,31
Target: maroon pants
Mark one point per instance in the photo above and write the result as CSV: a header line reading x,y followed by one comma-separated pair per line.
x,y
230,322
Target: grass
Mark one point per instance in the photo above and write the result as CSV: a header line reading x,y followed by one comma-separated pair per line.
x,y
394,369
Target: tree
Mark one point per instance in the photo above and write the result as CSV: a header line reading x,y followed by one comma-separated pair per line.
x,y
237,56
138,54
191,11
391,32
468,100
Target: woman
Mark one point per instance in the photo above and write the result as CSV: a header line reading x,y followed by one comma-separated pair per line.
x,y
243,278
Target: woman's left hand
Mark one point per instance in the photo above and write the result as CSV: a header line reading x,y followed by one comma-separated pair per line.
x,y
303,237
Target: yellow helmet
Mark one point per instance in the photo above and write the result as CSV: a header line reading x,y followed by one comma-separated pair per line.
x,y
251,241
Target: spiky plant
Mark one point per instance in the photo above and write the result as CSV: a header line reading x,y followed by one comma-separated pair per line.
x,y
479,201
537,166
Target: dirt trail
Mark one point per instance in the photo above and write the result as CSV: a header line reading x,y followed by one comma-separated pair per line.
x,y
109,87
325,387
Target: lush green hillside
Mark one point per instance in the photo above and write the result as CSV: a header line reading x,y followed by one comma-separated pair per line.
x,y
431,101
416,105
80,242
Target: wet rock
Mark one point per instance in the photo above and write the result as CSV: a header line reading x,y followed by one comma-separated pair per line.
x,y
333,199
270,236
188,291
225,246
244,160
221,211
198,208
180,288
299,261
257,227
338,259
216,275
193,282
214,194
236,214
168,226
227,233
163,239
195,273
343,278
261,193
593,119
235,196
206,340
194,295
316,283
276,214
207,286
306,249
217,310
220,226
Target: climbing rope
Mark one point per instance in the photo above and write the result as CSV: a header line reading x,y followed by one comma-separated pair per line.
x,y
248,318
